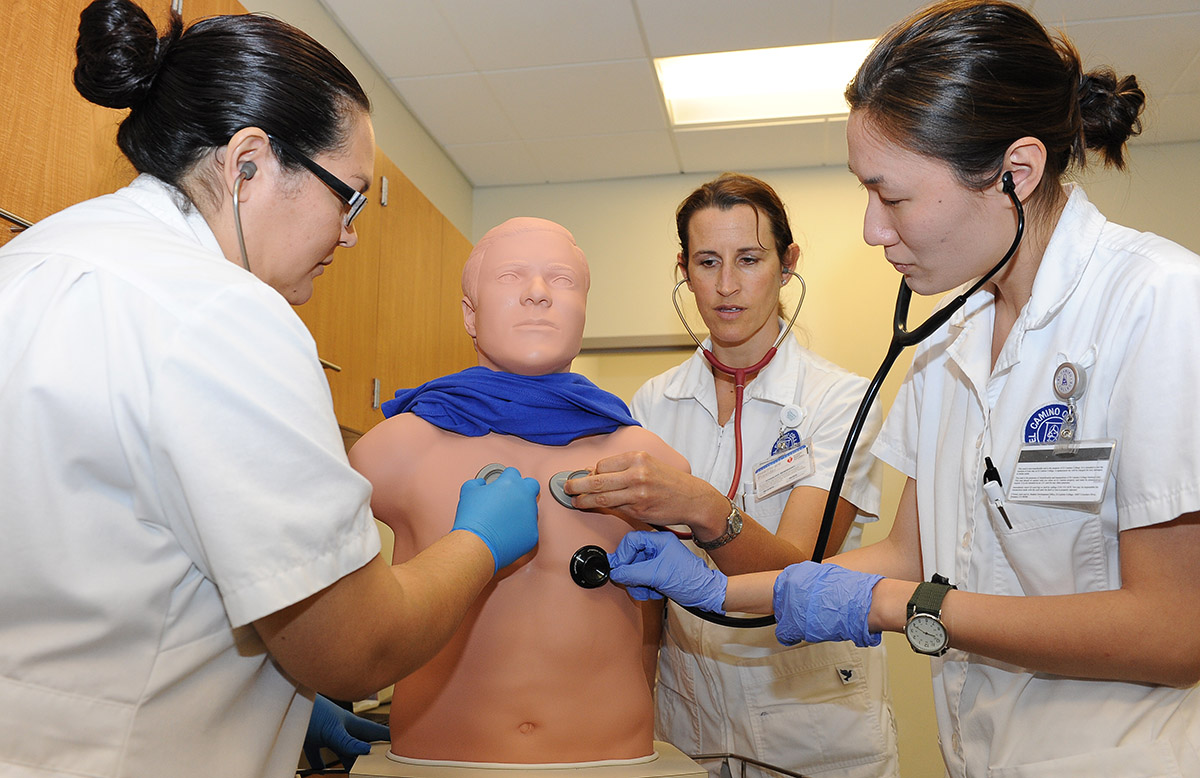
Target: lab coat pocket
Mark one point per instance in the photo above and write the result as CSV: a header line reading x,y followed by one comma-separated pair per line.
x,y
813,707
1057,550
1149,760
61,731
676,708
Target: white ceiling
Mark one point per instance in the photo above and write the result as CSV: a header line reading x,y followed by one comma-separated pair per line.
x,y
536,91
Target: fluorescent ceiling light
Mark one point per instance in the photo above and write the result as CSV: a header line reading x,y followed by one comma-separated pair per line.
x,y
759,85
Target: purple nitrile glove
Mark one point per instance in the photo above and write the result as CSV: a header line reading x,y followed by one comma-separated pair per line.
x,y
819,602
653,564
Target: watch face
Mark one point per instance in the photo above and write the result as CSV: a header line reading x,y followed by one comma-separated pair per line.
x,y
925,634
736,520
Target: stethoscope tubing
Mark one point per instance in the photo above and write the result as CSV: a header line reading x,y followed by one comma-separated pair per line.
x,y
739,373
902,337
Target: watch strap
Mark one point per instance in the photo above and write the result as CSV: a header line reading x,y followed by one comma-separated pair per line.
x,y
733,528
928,597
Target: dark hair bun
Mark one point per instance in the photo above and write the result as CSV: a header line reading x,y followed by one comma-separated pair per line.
x,y
1111,109
118,53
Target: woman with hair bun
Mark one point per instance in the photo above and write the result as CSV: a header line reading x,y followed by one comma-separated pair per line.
x,y
189,555
1048,430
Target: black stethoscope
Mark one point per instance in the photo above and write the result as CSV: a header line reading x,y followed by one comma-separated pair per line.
x,y
902,337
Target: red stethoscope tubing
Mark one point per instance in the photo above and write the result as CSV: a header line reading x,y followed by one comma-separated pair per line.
x,y
739,388
739,379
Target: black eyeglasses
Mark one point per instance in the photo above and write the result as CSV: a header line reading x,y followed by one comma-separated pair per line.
x,y
354,199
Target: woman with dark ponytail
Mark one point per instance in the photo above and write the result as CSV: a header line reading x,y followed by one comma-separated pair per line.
x,y
189,553
1048,430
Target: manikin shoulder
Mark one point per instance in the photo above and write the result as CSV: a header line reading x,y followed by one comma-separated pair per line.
x,y
635,438
390,443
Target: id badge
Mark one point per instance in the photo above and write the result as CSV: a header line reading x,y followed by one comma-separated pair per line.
x,y
782,469
1057,474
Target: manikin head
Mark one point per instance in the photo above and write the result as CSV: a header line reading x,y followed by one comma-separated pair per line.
x,y
525,297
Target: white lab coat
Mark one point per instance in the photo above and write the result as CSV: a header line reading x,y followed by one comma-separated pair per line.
x,y
822,709
172,472
1126,306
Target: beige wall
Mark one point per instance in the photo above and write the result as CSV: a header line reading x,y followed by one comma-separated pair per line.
x,y
626,229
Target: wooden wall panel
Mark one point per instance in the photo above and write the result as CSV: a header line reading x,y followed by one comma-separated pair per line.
x,y
457,349
410,292
343,316
58,148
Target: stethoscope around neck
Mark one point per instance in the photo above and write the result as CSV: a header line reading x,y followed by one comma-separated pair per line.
x,y
739,373
902,337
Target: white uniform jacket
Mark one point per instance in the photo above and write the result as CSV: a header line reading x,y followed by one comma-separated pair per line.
x,y
172,471
821,709
1125,306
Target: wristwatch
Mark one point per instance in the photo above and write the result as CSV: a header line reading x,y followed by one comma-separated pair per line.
x,y
733,528
924,629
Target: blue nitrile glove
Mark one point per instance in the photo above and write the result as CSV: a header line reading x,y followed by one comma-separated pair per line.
x,y
503,514
819,602
653,564
332,726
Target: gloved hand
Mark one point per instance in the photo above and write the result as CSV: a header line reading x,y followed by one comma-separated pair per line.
x,y
503,514
653,564
339,730
819,602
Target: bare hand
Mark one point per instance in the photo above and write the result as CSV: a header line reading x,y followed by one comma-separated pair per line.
x,y
637,486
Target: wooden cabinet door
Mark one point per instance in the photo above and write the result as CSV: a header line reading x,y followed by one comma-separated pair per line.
x,y
59,149
456,350
342,315
411,294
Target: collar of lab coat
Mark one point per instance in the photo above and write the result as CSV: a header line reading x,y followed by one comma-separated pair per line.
x,y
775,383
170,206
1063,264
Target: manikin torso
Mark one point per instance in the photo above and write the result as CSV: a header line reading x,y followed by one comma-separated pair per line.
x,y
541,670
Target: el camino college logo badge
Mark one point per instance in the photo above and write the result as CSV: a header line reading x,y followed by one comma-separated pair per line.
x,y
1044,423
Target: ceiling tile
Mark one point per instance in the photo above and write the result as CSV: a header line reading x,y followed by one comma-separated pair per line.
x,y
599,157
675,27
529,91
1189,80
403,38
1158,67
495,164
580,99
1171,119
836,150
856,20
753,148
502,34
1057,12
456,109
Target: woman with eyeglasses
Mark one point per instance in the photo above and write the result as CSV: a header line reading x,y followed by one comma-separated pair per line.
x,y
188,554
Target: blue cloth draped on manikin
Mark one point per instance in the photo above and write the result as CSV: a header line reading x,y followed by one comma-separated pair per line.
x,y
551,410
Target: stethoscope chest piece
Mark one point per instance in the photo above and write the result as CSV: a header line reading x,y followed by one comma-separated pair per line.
x,y
557,483
490,472
589,567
